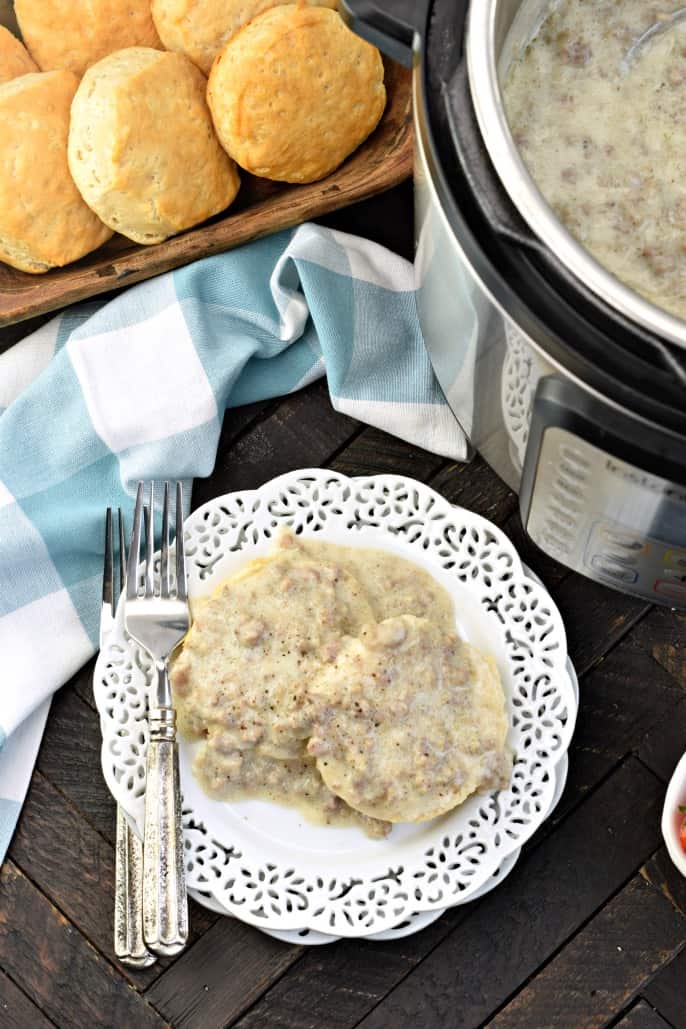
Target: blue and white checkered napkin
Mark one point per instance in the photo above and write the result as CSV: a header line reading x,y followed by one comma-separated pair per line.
x,y
133,389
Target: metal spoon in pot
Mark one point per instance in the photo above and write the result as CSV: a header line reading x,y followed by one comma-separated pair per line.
x,y
667,21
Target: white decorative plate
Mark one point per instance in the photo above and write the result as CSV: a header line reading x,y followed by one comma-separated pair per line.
x,y
310,938
261,862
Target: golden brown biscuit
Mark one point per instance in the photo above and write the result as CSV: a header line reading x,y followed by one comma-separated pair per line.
x,y
77,33
142,149
15,59
409,722
44,223
200,28
294,92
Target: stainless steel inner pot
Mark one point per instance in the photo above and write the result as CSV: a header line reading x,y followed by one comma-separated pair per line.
x,y
497,31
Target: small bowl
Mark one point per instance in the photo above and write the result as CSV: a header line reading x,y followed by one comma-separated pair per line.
x,y
672,817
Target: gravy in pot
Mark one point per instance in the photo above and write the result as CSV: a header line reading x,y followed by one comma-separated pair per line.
x,y
605,138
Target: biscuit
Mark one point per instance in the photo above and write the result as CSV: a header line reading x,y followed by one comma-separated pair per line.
x,y
295,92
142,149
78,33
410,721
303,607
44,223
15,59
200,28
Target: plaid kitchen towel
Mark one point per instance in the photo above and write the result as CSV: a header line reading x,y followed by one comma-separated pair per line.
x,y
107,394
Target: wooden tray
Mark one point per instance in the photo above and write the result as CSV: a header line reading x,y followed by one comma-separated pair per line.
x,y
262,207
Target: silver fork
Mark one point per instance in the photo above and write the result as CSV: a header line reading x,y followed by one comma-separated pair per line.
x,y
129,945
158,618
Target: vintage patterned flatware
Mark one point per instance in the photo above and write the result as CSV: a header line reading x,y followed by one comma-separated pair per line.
x,y
157,617
129,945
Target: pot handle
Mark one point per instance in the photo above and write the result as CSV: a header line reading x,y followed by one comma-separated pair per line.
x,y
393,32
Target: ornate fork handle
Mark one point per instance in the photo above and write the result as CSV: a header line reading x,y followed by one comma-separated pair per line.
x,y
129,943
165,904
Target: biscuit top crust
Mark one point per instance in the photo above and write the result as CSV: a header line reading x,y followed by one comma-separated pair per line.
x,y
295,92
142,149
77,33
44,222
15,59
200,28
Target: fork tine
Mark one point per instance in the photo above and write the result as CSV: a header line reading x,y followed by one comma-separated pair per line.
x,y
108,572
164,559
122,552
180,555
135,549
149,516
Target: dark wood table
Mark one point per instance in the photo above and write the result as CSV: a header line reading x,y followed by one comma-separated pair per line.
x,y
588,930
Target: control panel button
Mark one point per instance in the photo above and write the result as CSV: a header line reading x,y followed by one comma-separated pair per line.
x,y
612,569
676,559
573,506
569,490
671,589
622,539
555,546
624,559
562,517
572,471
574,455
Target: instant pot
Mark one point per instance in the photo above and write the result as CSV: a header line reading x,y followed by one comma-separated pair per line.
x,y
570,385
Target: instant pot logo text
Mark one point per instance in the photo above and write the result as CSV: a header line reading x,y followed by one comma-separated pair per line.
x,y
646,482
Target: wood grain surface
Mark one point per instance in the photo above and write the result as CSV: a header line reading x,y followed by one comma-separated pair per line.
x,y
589,929
262,207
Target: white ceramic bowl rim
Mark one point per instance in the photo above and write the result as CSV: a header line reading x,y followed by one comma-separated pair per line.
x,y
672,817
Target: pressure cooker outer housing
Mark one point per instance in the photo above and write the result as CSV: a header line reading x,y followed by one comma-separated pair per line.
x,y
570,399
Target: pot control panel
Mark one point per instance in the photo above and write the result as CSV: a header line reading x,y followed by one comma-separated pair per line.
x,y
609,520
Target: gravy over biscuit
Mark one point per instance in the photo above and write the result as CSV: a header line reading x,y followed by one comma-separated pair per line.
x,y
319,676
